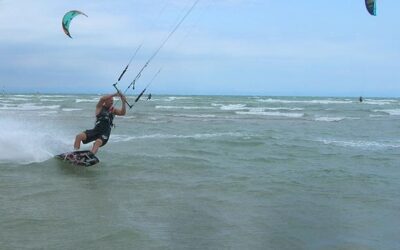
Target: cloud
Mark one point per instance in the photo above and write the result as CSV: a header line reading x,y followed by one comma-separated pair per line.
x,y
224,40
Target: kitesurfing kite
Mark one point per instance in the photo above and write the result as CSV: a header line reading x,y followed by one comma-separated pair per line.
x,y
371,6
66,21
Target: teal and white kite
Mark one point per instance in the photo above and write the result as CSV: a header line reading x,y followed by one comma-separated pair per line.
x,y
66,21
371,6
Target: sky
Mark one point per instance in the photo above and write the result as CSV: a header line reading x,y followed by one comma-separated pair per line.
x,y
224,47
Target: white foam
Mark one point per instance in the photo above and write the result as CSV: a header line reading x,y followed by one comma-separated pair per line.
x,y
329,119
195,116
70,109
264,113
25,142
271,100
18,99
126,138
24,95
28,107
128,117
360,144
56,96
284,108
233,107
51,100
173,98
380,102
243,107
389,111
182,107
87,100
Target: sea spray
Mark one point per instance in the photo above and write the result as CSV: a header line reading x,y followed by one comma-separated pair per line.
x,y
24,142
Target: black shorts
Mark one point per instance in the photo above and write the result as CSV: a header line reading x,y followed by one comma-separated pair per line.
x,y
94,134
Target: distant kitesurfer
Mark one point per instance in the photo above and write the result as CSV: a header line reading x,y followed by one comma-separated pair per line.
x,y
105,112
149,97
360,99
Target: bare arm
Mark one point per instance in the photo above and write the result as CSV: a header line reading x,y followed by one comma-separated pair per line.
x,y
122,110
99,105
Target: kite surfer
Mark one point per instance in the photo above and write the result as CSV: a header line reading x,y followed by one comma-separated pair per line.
x,y
105,112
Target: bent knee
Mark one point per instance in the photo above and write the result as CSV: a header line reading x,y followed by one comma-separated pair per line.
x,y
81,136
99,142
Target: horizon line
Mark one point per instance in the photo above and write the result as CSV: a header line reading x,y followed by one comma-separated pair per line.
x,y
176,94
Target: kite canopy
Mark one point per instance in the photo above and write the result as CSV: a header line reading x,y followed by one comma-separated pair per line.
x,y
371,6
66,21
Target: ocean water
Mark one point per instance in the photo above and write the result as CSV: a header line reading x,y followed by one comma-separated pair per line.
x,y
203,172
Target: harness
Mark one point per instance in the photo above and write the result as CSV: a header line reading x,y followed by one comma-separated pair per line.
x,y
105,117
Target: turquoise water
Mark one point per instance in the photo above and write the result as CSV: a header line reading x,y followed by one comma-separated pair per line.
x,y
203,172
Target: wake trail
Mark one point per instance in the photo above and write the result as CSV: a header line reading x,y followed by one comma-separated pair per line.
x,y
26,142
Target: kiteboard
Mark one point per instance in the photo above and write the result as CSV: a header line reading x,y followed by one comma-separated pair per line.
x,y
79,158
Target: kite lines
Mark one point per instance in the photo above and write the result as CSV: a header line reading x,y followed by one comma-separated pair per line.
x,y
139,74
